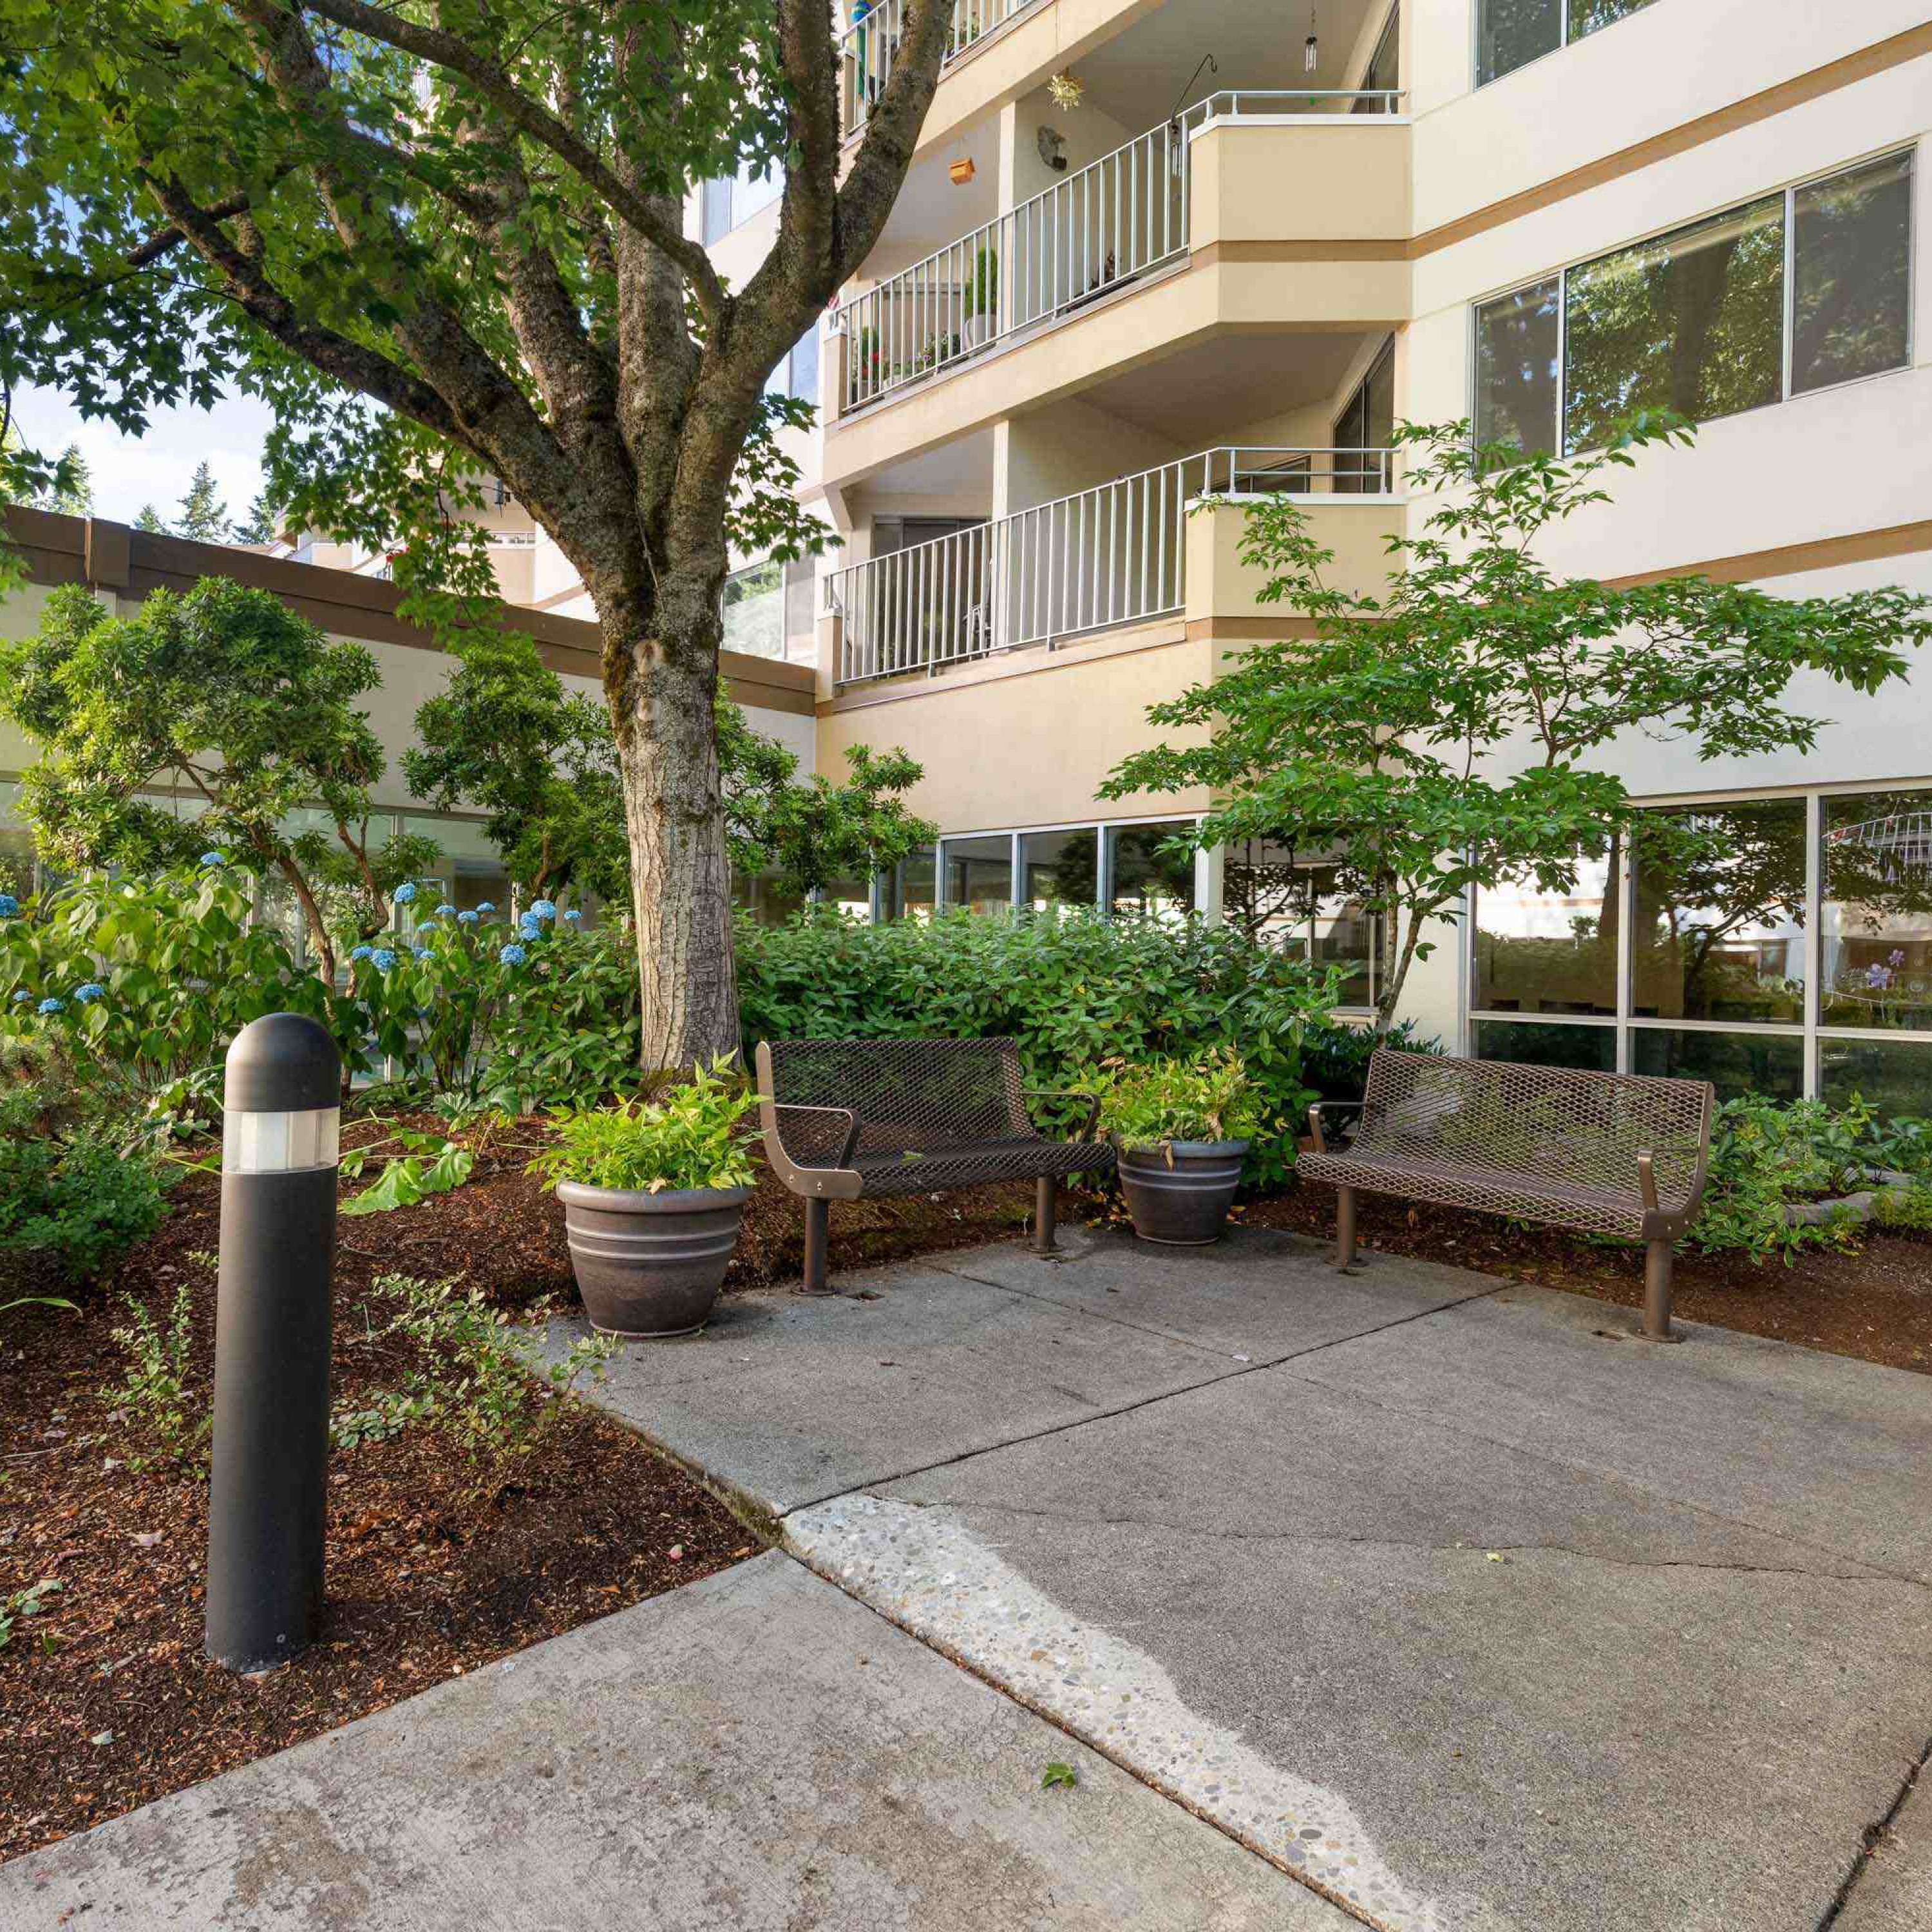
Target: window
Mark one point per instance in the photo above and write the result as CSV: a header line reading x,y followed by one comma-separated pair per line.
x,y
980,873
1711,320
1296,901
797,373
1142,878
1511,33
16,845
909,892
1875,922
1367,423
801,610
1060,869
1551,952
754,610
1719,928
725,205
1593,1049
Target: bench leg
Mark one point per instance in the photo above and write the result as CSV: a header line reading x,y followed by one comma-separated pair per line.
x,y
1656,1293
817,1230
1045,1190
1344,1228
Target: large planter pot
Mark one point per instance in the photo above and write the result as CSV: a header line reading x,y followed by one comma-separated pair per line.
x,y
650,1265
1183,1200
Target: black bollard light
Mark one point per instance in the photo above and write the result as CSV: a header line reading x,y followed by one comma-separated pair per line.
x,y
267,1494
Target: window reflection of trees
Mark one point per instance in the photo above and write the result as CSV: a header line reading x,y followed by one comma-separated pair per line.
x,y
1877,917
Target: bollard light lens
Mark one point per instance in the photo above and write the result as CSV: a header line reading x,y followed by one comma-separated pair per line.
x,y
280,1143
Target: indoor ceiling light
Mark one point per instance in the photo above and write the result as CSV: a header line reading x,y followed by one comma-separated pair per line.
x,y
1311,51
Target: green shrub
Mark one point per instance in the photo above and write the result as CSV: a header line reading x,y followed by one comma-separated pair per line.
x,y
155,1388
1073,990
82,1202
1335,1059
1766,1156
694,1137
1207,1098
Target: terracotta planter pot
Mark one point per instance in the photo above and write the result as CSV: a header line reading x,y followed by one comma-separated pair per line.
x,y
1184,1203
650,1265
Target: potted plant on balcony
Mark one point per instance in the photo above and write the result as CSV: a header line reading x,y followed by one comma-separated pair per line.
x,y
652,1193
982,298
1181,1129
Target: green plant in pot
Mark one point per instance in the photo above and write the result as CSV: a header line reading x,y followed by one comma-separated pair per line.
x,y
1181,1129
653,1191
982,296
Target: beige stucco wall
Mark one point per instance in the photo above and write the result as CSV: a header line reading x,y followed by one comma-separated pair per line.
x,y
1306,178
1220,585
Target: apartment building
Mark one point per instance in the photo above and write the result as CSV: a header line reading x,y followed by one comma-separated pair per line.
x,y
1154,249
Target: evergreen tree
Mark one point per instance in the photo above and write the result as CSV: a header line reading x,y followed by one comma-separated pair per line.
x,y
204,516
150,520
259,525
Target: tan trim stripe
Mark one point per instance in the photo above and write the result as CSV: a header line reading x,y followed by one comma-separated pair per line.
x,y
1386,249
1911,45
1791,560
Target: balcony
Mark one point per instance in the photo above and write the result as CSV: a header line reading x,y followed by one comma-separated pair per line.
x,y
868,48
1209,181
1124,552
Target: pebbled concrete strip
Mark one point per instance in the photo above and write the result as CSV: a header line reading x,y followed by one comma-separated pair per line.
x,y
757,1753
925,1571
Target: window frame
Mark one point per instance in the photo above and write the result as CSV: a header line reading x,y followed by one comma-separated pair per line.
x,y
1813,1032
1564,42
1787,193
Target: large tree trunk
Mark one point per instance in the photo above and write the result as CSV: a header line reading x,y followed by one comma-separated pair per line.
x,y
680,873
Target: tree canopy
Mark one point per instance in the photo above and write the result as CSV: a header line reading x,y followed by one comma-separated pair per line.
x,y
446,244
1443,736
215,719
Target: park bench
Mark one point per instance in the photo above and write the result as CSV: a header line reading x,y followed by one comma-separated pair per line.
x,y
846,1119
1605,1154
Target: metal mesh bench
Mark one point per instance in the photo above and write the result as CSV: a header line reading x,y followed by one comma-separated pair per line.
x,y
1606,1153
844,1119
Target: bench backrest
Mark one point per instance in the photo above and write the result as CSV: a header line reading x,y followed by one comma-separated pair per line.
x,y
908,1094
1553,1123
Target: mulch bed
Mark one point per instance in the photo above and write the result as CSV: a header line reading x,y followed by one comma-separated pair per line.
x,y
435,1567
1876,1305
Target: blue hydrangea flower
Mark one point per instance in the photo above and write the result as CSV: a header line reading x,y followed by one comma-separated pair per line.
x,y
363,952
52,1007
467,918
486,906
214,858
542,909
436,912
89,992
573,913
513,955
9,907
21,995
383,957
404,893
421,951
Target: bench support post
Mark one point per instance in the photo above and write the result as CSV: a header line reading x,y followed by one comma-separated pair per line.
x,y
1656,1293
818,1231
1344,1228
1045,1189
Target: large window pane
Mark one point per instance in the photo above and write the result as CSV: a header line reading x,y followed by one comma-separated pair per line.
x,y
470,870
16,845
1141,878
1344,936
754,614
1693,322
1892,1076
1876,921
911,896
1060,869
1585,17
763,898
1851,260
1266,894
1720,925
1511,33
1772,1064
1550,952
1516,368
980,873
1592,1047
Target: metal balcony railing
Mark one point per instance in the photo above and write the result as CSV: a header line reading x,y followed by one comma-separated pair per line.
x,y
869,46
1113,554
1116,219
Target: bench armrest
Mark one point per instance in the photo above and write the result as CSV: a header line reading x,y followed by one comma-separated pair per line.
x,y
1646,1180
850,1115
1322,1107
1068,1093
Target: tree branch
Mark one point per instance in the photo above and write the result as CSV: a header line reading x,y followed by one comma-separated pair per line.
x,y
530,117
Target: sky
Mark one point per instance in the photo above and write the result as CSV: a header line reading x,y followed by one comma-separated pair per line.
x,y
130,471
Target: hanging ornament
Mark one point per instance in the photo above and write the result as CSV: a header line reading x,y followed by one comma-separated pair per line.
x,y
1311,51
1065,91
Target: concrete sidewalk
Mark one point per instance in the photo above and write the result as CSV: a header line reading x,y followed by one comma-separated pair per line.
x,y
755,1751
1440,1593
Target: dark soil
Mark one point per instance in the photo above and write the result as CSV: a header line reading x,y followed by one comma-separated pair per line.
x,y
1876,1305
